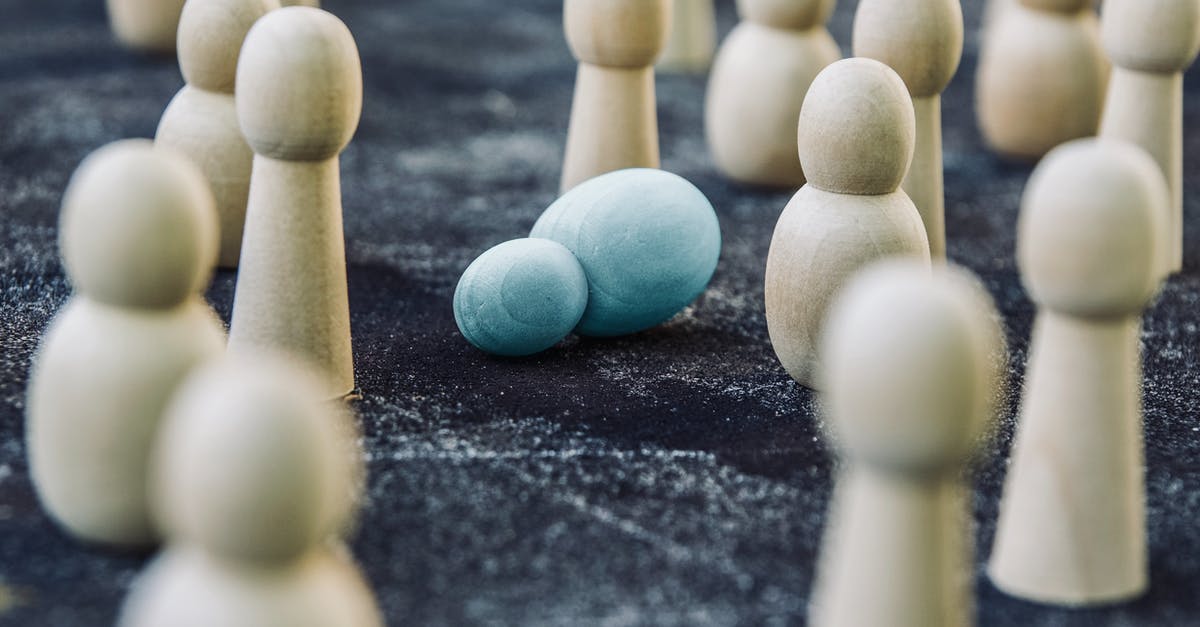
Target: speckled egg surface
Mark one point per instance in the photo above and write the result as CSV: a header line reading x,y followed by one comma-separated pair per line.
x,y
520,297
648,240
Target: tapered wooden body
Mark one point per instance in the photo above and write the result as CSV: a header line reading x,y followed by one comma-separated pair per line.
x,y
613,123
99,384
896,552
758,83
924,181
821,239
1146,109
693,37
1041,80
148,25
203,125
1072,525
291,291
922,40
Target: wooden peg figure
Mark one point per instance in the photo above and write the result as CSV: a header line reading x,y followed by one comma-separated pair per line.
x,y
759,78
299,96
1072,518
911,370
201,120
1151,43
614,124
1041,76
253,479
138,235
855,137
922,40
146,25
692,38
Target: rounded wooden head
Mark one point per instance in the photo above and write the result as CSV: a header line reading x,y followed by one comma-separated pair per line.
x,y
1093,219
299,85
857,129
210,37
1058,6
251,462
1151,35
921,39
911,365
138,226
617,33
787,14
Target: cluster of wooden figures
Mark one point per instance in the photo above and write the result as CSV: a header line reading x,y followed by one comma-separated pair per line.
x,y
250,474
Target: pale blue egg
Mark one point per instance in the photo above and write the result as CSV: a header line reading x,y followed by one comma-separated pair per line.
x,y
648,240
520,297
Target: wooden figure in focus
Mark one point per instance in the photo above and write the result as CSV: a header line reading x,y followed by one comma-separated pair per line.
x,y
912,363
253,478
1041,77
138,235
856,136
1072,519
299,97
758,83
201,120
922,40
614,124
692,38
147,25
1151,43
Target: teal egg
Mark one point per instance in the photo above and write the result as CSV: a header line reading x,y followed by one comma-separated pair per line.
x,y
520,297
648,240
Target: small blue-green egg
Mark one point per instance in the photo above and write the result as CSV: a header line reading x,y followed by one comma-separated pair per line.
x,y
648,240
520,297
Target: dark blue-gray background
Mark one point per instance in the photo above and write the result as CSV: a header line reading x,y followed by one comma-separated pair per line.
x,y
676,477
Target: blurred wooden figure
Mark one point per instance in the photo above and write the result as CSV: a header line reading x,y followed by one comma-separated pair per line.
x,y
138,235
253,478
147,25
1041,77
1151,43
912,363
922,40
201,120
614,124
1072,518
856,136
759,78
692,38
299,97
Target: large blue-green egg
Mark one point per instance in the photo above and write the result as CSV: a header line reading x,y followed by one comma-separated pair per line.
x,y
520,297
648,240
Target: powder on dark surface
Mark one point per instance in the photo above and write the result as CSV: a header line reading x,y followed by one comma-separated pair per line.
x,y
675,477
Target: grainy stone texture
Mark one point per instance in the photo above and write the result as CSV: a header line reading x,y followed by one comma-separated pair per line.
x,y
676,477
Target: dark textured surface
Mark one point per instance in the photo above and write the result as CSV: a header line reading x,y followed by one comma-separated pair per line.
x,y
674,477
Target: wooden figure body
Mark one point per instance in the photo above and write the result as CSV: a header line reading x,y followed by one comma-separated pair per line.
x,y
856,135
614,124
251,538
147,25
201,121
911,371
299,96
692,38
761,74
1072,519
1041,77
138,237
922,40
1151,43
